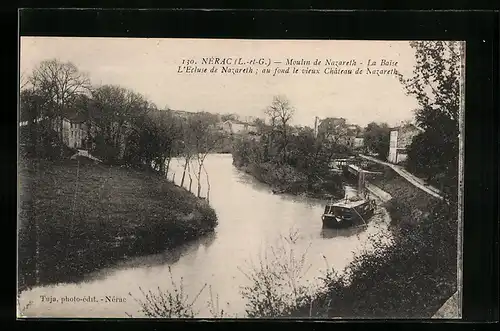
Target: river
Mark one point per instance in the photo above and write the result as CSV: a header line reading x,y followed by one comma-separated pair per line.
x,y
251,220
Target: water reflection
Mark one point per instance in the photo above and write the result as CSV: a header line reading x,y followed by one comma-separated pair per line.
x,y
328,233
167,257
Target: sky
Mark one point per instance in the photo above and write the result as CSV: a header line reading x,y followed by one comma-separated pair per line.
x,y
149,66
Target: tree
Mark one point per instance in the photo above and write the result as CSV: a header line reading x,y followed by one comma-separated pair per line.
x,y
260,124
203,139
165,131
334,130
280,112
34,131
435,83
376,139
115,111
61,82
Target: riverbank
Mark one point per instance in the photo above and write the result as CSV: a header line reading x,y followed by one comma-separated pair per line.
x,y
286,179
76,217
411,279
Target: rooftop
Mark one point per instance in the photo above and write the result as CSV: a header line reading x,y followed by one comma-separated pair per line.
x,y
346,203
74,115
406,125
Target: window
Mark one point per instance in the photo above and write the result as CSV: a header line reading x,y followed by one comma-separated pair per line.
x,y
341,212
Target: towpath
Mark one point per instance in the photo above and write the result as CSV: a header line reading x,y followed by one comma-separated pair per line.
x,y
408,176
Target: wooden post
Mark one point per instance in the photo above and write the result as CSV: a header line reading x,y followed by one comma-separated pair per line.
x,y
361,182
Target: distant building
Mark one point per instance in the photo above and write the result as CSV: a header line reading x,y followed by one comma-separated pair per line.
x,y
182,113
74,129
401,137
236,127
358,142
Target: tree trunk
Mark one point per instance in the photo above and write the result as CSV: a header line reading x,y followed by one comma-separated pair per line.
x,y
199,178
190,177
208,184
184,172
168,161
162,165
61,135
285,143
89,129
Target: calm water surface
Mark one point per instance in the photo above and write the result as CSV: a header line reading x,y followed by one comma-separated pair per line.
x,y
251,219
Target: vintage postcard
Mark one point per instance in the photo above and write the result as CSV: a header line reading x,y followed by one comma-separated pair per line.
x,y
232,178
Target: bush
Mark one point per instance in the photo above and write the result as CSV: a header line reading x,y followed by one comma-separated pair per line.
x,y
108,153
276,287
45,145
171,303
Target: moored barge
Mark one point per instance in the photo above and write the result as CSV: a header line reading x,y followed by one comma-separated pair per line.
x,y
348,212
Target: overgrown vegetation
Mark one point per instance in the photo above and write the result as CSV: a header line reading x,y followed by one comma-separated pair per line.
x,y
292,159
377,138
174,302
435,84
276,279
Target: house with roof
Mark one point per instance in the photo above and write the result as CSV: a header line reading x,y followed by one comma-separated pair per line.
x,y
74,129
400,139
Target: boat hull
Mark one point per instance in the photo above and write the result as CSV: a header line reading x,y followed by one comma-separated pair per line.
x,y
335,222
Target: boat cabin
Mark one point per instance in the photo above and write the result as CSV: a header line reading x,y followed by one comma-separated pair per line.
x,y
348,212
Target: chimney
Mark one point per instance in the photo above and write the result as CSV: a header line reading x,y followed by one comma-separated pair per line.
x,y
316,127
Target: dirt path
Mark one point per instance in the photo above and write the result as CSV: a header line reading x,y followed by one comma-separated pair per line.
x,y
378,192
408,176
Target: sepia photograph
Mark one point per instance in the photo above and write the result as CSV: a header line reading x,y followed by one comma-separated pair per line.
x,y
240,178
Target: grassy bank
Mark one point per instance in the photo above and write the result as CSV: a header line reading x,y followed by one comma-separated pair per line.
x,y
76,217
409,203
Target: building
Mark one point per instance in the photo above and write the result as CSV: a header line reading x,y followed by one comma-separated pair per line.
x,y
236,127
400,138
182,113
74,130
358,142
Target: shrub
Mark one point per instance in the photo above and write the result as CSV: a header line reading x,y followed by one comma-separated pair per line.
x,y
162,303
276,281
